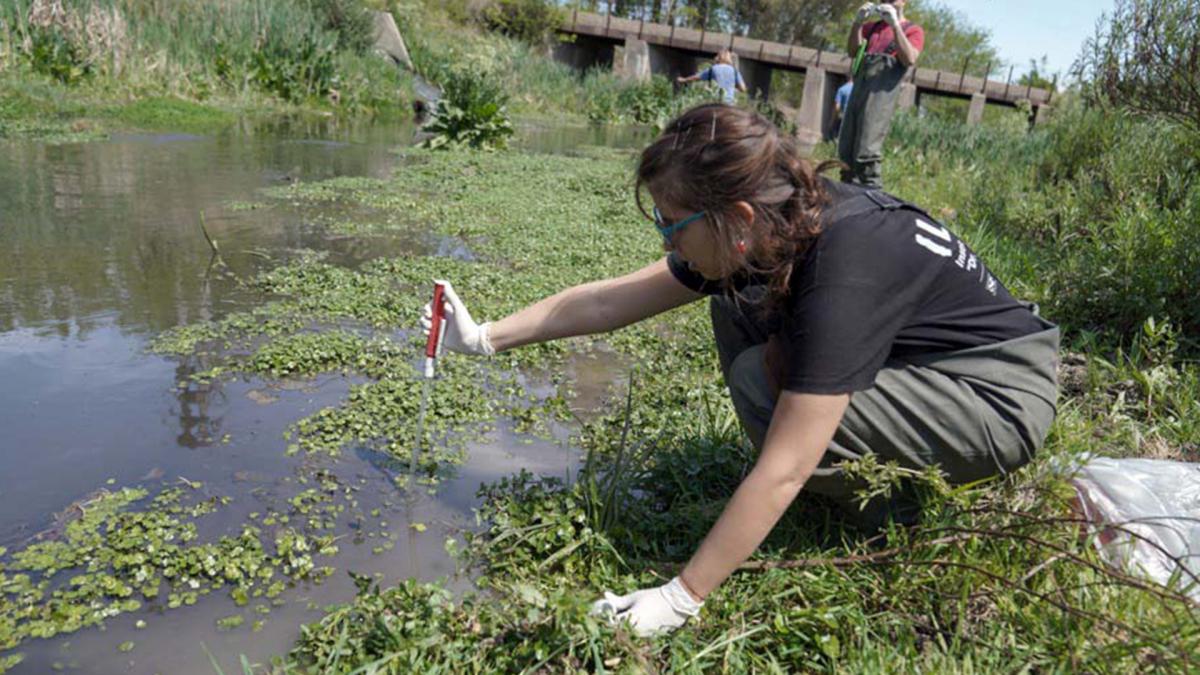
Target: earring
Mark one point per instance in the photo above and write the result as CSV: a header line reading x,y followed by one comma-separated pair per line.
x,y
741,246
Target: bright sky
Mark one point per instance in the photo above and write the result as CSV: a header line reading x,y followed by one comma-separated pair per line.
x,y
1028,29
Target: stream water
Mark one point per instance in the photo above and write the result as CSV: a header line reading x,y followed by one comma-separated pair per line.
x,y
100,250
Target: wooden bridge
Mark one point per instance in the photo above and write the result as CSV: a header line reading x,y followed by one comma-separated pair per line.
x,y
636,49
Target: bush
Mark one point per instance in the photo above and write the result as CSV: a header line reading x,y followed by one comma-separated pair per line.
x,y
1145,59
533,21
294,70
49,52
471,112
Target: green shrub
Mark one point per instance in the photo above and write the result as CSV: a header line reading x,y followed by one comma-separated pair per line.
x,y
533,21
50,53
1143,58
294,71
471,112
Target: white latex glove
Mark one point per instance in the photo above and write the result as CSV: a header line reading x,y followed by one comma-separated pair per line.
x,y
864,12
463,335
652,611
889,15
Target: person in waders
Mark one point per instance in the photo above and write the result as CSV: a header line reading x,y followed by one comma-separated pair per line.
x,y
847,323
883,51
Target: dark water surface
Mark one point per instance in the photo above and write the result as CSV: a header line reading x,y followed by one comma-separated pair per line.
x,y
100,250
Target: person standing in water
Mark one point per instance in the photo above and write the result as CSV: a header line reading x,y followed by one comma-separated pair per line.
x,y
723,73
847,323
883,51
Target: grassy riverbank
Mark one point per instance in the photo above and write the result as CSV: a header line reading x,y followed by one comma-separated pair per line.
x,y
79,68
100,66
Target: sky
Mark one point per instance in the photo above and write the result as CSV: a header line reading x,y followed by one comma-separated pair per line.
x,y
1028,29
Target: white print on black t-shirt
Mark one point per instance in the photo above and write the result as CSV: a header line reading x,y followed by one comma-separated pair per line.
x,y
939,232
965,260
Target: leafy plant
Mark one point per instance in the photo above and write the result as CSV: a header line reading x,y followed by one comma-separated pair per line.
x,y
471,113
51,53
294,69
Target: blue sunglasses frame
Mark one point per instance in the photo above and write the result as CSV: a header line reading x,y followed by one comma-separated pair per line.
x,y
668,230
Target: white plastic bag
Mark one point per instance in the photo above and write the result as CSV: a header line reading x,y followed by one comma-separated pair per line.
x,y
1147,514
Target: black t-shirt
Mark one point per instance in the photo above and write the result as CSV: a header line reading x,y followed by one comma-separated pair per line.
x,y
880,285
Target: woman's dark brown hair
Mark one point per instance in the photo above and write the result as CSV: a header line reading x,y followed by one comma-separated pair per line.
x,y
715,155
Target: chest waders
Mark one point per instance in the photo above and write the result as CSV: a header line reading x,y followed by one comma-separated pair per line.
x,y
868,118
974,412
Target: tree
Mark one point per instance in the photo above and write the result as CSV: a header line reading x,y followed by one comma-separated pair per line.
x,y
803,22
1036,76
1145,57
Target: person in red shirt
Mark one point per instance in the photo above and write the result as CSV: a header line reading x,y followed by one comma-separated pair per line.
x,y
883,51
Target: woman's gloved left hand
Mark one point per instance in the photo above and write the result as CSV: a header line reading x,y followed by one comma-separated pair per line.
x,y
652,611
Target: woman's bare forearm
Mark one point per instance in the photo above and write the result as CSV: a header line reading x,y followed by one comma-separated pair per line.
x,y
800,431
595,307
905,52
574,311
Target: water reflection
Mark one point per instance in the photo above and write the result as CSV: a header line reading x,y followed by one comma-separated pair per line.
x,y
93,227
197,428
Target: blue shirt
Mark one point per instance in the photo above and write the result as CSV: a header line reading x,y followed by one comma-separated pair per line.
x,y
842,97
727,78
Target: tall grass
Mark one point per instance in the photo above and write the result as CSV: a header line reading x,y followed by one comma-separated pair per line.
x,y
246,51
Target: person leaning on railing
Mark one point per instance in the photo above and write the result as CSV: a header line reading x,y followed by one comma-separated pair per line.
x,y
883,51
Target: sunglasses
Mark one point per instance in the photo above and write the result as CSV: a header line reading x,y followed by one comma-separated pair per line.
x,y
668,229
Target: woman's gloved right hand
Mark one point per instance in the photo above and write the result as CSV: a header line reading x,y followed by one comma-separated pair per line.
x,y
462,334
865,12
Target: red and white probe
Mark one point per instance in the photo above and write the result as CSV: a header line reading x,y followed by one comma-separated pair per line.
x,y
433,344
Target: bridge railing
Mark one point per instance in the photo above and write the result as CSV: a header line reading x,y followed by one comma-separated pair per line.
x,y
794,57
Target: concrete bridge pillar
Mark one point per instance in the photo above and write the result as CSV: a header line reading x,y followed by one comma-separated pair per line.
x,y
908,96
634,63
816,106
1041,113
388,39
975,112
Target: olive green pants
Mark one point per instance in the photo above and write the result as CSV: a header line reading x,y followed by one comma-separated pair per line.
x,y
868,118
975,412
